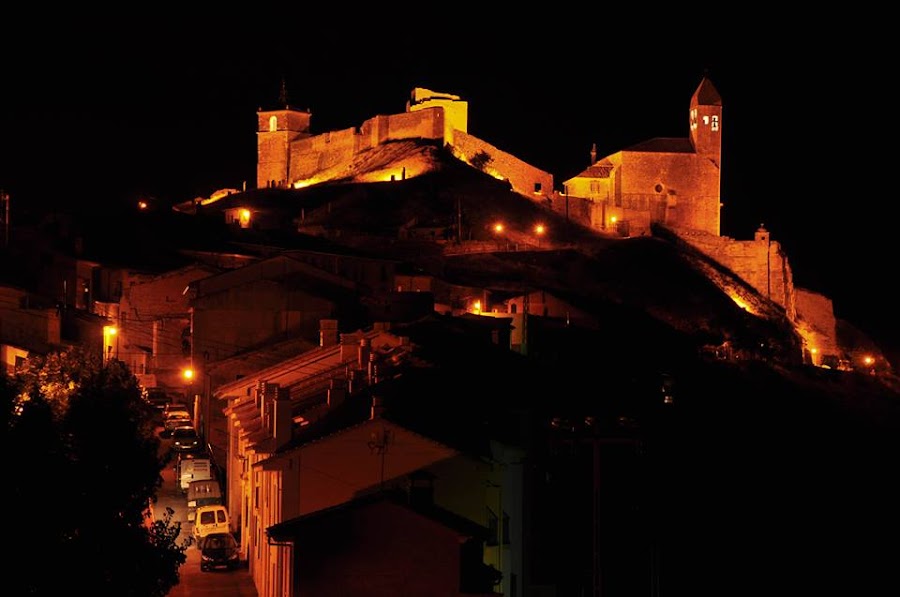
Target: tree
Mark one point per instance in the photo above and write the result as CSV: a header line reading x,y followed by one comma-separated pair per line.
x,y
85,466
481,160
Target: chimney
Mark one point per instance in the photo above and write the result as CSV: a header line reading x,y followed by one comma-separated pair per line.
x,y
259,396
377,407
349,347
283,423
266,397
365,347
328,332
336,393
593,154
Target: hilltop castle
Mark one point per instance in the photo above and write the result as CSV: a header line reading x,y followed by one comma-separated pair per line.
x,y
668,182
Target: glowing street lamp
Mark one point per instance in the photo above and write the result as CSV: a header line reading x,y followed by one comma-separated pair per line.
x,y
498,227
110,333
539,231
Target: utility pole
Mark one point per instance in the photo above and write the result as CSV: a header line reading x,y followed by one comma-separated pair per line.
x,y
4,213
458,220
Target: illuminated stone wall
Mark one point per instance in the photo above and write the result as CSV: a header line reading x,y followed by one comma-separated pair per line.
x,y
424,124
523,177
680,190
153,313
761,263
291,156
312,155
577,209
454,108
815,314
35,327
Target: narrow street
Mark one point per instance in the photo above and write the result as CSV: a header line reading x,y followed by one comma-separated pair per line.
x,y
194,583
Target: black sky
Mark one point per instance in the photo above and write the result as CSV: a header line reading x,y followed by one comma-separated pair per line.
x,y
95,111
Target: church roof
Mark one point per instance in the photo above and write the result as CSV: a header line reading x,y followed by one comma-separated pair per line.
x,y
706,94
664,145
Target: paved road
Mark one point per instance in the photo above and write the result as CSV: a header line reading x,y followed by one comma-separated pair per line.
x,y
194,583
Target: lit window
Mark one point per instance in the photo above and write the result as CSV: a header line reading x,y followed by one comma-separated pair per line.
x,y
273,124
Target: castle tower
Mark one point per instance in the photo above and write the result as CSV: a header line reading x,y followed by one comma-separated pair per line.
x,y
456,110
276,130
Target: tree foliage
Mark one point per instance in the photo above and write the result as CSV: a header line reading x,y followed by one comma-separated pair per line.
x,y
481,160
86,465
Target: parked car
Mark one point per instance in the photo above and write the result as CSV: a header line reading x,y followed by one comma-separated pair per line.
x,y
218,550
202,492
176,407
211,519
185,439
157,398
194,469
176,419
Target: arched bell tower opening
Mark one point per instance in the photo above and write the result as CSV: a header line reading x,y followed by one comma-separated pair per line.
x,y
276,130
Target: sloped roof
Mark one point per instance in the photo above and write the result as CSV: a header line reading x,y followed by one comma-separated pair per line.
x,y
292,529
706,94
278,268
663,145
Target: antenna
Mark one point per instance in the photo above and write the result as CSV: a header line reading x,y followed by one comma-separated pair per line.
x,y
4,216
282,97
378,444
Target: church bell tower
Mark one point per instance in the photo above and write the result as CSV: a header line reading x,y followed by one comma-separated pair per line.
x,y
706,122
276,131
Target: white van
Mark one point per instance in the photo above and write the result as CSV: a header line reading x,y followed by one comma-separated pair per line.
x,y
192,469
211,519
202,493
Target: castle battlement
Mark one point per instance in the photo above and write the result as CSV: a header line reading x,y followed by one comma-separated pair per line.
x,y
290,157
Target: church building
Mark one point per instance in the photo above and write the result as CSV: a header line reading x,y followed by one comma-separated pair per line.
x,y
671,181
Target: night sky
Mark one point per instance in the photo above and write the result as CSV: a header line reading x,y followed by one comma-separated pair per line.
x,y
96,112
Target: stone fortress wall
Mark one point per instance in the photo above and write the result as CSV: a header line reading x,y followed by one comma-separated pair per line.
x,y
763,264
288,155
622,194
524,178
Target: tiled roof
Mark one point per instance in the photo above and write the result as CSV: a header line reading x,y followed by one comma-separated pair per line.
x,y
707,94
664,145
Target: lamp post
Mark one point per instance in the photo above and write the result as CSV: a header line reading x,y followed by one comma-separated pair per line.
x,y
110,333
539,231
188,375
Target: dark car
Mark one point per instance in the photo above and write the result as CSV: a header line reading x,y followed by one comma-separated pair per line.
x,y
218,550
185,439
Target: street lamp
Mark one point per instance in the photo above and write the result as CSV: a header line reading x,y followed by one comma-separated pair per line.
x,y
539,231
188,374
110,333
